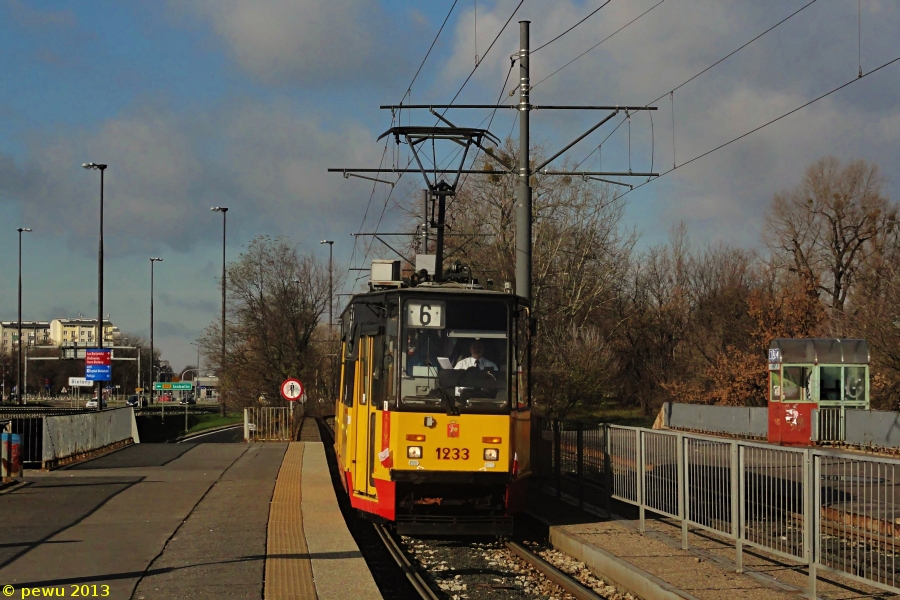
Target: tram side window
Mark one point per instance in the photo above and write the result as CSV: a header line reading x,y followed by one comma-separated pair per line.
x,y
854,384
349,369
796,384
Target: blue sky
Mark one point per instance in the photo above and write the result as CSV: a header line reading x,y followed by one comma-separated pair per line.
x,y
245,103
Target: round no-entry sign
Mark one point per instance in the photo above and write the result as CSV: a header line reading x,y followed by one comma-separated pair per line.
x,y
291,390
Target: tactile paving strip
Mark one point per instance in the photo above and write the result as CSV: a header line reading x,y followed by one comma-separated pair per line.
x,y
289,574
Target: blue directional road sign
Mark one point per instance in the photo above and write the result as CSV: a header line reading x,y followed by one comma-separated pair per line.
x,y
98,365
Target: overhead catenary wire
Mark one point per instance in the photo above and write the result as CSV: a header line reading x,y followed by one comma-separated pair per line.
x,y
486,52
767,123
671,93
591,14
597,44
395,159
735,51
430,48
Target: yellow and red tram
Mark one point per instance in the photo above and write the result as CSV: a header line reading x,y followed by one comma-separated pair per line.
x,y
432,423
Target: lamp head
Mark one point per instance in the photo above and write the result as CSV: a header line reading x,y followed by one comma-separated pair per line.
x,y
93,166
221,209
23,229
327,242
155,259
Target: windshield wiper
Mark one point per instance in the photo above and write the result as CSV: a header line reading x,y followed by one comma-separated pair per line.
x,y
449,401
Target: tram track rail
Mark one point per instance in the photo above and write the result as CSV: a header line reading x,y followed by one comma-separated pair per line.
x,y
406,565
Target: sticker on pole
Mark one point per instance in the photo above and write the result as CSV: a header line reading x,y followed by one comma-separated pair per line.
x,y
291,390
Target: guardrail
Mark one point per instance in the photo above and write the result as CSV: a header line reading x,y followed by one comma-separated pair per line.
x,y
51,435
269,424
825,509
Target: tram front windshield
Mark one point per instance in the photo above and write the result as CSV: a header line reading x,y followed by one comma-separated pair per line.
x,y
455,356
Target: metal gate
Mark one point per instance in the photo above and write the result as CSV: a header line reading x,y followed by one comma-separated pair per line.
x,y
268,424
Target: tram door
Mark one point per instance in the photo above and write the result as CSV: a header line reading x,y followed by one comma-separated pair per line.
x,y
364,419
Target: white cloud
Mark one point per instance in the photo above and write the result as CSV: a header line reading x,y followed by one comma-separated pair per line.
x,y
166,169
303,41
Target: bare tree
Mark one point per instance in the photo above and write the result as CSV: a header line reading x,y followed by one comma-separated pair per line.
x,y
275,299
827,227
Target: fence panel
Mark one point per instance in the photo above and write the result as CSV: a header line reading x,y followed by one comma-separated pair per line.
x,y
859,518
595,455
773,499
661,472
268,424
708,483
624,450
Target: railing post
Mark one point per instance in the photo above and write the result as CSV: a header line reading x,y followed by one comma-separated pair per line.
x,y
735,506
607,470
557,458
580,462
682,489
742,503
810,510
640,481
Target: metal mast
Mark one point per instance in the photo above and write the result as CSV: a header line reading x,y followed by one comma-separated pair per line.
x,y
523,190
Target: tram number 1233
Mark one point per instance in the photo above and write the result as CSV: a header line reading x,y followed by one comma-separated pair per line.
x,y
452,453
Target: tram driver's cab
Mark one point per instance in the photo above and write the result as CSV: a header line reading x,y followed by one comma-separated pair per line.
x,y
813,373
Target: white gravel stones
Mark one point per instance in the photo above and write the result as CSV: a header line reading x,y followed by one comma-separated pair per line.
x,y
486,570
579,571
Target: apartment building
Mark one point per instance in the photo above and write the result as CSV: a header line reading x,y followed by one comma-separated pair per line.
x,y
35,333
81,331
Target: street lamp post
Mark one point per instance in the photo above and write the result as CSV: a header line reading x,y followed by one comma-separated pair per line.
x,y
99,339
19,393
152,357
196,383
224,211
330,307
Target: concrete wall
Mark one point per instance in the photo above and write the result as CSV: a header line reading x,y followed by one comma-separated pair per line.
x,y
872,428
736,420
70,435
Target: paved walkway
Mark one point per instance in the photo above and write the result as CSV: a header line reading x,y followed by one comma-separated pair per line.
x,y
174,521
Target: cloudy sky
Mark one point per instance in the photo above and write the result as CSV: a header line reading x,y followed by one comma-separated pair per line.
x,y
246,103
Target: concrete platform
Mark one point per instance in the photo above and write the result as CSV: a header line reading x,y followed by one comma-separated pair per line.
x,y
653,565
188,520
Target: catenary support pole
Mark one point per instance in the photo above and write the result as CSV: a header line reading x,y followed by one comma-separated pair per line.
x,y
523,190
99,338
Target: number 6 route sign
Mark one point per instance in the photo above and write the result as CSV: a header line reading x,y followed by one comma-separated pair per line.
x,y
291,390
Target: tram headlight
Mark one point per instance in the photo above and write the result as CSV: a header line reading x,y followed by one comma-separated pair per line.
x,y
414,452
491,454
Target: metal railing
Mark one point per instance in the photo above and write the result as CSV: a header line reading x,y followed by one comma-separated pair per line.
x,y
268,424
824,509
829,424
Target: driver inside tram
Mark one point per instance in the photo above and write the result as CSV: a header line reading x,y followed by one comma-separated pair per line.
x,y
477,359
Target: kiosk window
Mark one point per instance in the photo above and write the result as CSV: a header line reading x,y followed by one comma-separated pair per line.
x,y
775,379
854,384
796,384
830,383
